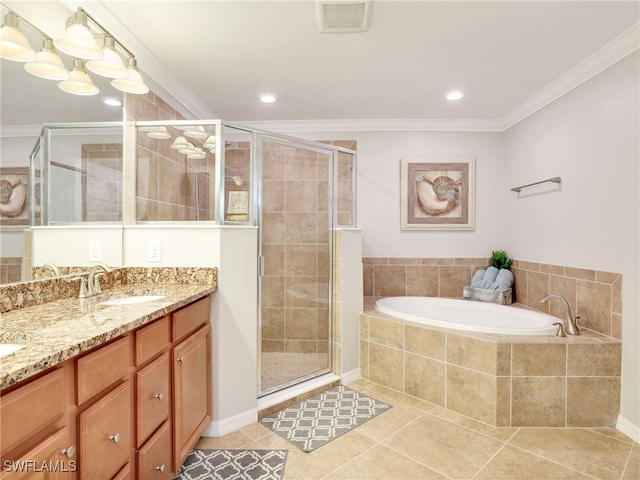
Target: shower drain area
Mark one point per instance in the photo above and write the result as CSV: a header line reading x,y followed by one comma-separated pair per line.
x,y
282,367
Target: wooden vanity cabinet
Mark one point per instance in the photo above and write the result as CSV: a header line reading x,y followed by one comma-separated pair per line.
x,y
133,408
191,358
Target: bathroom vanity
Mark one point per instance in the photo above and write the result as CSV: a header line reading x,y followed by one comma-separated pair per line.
x,y
122,390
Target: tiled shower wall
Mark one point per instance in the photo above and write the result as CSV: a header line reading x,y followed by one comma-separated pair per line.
x,y
295,240
166,180
596,297
103,165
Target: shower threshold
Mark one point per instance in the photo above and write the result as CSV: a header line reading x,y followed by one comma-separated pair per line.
x,y
272,399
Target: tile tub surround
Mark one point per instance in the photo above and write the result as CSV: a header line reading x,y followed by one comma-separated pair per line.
x,y
501,380
59,329
593,295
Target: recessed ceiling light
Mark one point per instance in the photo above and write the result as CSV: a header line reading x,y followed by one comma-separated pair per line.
x,y
112,101
267,98
454,95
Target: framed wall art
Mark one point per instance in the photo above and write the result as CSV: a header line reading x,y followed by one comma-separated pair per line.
x,y
14,197
437,193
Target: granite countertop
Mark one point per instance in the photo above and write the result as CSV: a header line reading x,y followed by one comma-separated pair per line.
x,y
58,330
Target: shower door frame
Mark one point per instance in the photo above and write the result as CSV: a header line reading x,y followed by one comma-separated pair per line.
x,y
257,158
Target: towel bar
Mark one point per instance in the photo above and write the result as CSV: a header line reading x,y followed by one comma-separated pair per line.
x,y
552,179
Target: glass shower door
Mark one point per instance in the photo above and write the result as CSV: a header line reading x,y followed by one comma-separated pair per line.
x,y
295,250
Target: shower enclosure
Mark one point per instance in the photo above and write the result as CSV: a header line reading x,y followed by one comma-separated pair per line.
x,y
296,192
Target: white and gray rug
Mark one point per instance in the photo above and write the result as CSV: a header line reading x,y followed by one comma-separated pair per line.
x,y
320,419
203,464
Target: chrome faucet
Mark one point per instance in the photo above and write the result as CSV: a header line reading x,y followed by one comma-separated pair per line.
x,y
49,266
572,327
93,282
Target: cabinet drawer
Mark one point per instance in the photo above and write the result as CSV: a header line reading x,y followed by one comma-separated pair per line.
x,y
54,451
154,459
32,407
102,368
153,397
105,435
152,339
189,318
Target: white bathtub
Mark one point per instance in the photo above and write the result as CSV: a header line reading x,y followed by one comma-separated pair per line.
x,y
468,315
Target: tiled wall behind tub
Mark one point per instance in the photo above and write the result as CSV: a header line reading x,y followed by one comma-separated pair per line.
x,y
593,295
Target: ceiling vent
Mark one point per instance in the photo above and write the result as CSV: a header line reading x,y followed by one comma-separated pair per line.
x,y
343,16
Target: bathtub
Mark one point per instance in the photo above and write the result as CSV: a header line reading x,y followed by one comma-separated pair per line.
x,y
468,315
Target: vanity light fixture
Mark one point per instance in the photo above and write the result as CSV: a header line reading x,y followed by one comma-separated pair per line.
x,y
160,133
47,63
210,142
188,149
110,65
179,143
79,42
198,154
79,82
195,132
13,44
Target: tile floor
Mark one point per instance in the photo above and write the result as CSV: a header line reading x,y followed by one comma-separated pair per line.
x,y
419,440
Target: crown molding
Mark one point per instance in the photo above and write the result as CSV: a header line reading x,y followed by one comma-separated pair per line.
x,y
375,125
619,48
13,131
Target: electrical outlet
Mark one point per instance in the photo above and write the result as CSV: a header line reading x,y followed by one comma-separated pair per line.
x,y
95,250
154,254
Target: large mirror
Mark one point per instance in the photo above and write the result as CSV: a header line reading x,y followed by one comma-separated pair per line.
x,y
28,103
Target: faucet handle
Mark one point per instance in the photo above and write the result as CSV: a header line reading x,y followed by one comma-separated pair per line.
x,y
560,332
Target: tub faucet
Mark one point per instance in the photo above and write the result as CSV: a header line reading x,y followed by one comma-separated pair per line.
x,y
572,327
93,282
49,266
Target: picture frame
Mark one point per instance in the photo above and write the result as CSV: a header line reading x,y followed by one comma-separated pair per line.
x,y
14,199
437,193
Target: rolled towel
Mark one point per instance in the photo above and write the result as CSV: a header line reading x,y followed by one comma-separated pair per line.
x,y
503,280
477,278
486,284
490,275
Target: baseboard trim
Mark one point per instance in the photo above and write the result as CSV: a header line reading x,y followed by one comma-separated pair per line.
x,y
628,428
231,424
351,376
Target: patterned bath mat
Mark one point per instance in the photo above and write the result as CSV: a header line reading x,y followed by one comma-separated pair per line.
x,y
320,419
204,464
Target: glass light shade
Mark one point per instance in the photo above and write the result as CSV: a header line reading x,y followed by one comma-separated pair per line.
x,y
133,83
189,149
160,133
78,83
179,142
195,132
47,64
210,142
78,40
13,44
197,155
110,65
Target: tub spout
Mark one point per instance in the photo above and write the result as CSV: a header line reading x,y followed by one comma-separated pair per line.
x,y
571,326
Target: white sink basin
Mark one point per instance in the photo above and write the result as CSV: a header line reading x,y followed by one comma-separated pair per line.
x,y
131,299
8,348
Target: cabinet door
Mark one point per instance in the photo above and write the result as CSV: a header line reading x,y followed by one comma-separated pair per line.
x,y
51,459
192,392
105,435
154,458
153,397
